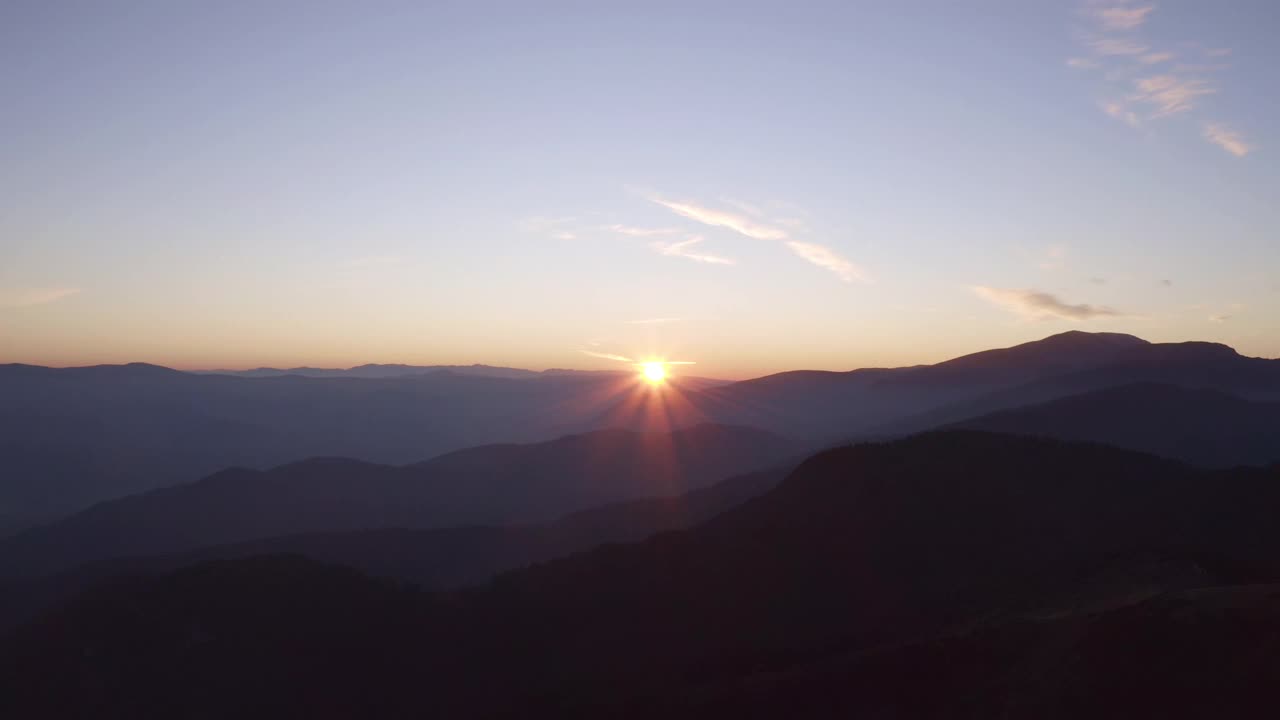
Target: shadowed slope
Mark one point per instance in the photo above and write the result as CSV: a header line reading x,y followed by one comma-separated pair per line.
x,y
829,402
1196,365
488,485
860,550
432,559
1204,427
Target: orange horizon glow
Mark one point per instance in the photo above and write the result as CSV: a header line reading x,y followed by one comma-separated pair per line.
x,y
731,362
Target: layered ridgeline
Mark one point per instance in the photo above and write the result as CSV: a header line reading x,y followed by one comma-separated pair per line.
x,y
1203,427
435,559
952,574
1194,365
71,437
488,485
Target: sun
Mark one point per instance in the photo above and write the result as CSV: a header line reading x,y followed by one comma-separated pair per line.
x,y
653,372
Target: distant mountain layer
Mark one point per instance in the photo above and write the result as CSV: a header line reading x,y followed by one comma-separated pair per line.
x,y
1204,427
442,558
1195,365
76,436
956,574
895,402
376,371
497,484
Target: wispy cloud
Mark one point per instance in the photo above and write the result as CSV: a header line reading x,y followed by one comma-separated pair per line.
x,y
606,356
1170,94
28,297
1123,17
825,257
642,231
654,321
721,218
685,249
745,207
1113,46
1226,313
1041,305
1227,139
1106,45
1120,111
815,253
1155,57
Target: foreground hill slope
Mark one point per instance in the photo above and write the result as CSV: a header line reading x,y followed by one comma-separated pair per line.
x,y
859,551
1200,653
497,484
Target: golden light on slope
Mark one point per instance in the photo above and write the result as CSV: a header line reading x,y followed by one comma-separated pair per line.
x,y
653,372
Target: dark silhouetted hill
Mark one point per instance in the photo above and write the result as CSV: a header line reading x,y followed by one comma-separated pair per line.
x,y
1203,653
896,402
951,574
1204,427
442,558
380,371
497,484
1194,365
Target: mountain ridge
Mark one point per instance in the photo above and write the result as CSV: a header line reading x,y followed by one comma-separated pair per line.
x,y
534,482
73,437
860,550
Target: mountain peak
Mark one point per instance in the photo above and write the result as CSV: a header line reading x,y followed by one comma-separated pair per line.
x,y
1073,348
1080,336
130,370
1187,354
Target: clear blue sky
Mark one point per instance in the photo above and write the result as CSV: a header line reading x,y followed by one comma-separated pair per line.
x,y
751,186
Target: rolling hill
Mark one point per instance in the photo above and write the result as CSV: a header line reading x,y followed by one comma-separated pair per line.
x,y
500,484
960,572
71,437
1203,427
435,559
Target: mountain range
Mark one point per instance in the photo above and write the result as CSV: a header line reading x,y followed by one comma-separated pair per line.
x,y
429,543
953,574
434,559
1002,534
71,437
490,485
76,436
1203,427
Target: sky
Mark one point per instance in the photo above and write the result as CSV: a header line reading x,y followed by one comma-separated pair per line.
x,y
748,186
